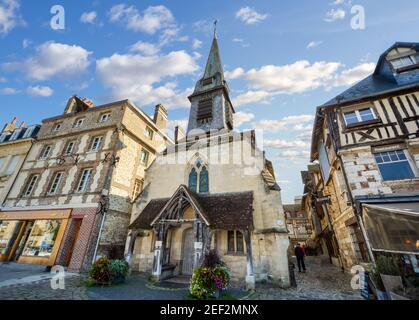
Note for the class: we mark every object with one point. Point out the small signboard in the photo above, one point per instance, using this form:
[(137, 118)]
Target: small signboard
[(198, 245)]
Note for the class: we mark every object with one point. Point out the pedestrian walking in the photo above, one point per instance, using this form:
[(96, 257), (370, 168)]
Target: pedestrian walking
[(299, 254)]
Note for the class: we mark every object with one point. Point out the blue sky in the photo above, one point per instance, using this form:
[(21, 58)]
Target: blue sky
[(282, 59)]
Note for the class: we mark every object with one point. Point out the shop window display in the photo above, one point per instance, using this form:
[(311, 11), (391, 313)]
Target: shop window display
[(7, 231), (42, 238)]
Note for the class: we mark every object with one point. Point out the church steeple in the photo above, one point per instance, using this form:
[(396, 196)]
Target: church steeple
[(211, 107)]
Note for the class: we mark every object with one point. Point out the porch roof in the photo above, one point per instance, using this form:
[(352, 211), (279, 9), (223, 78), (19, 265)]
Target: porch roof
[(228, 211)]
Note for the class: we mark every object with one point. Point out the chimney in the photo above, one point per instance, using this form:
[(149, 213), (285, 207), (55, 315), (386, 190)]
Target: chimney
[(160, 117), (22, 125), (9, 127), (88, 102), (179, 134)]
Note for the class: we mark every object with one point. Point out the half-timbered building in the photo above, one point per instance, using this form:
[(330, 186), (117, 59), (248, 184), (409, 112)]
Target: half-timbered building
[(214, 189), (366, 141)]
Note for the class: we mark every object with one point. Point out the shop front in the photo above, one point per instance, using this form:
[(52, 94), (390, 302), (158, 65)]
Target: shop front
[(32, 236)]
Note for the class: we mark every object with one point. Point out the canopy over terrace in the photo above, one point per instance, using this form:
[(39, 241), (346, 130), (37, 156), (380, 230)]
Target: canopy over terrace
[(393, 227), (224, 211)]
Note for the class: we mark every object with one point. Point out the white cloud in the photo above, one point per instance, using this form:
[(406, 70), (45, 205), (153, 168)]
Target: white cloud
[(242, 117), (53, 60), (153, 18), (196, 44), (351, 76), (171, 124), (337, 2), (238, 40), (39, 91), (298, 77), (236, 73), (88, 17), (294, 78), (2, 79), (8, 91), (284, 144), (9, 16), (148, 49), (139, 77), (289, 123), (314, 44), (334, 15), (250, 16), (26, 43), (292, 154), (251, 97)]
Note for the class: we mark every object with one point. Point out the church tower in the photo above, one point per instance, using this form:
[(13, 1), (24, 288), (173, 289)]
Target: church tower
[(211, 107)]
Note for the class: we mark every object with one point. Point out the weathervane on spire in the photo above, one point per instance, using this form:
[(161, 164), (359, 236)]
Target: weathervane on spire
[(215, 27)]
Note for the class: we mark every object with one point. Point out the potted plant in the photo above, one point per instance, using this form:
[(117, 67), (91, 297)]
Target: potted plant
[(108, 272), (118, 270), (209, 280)]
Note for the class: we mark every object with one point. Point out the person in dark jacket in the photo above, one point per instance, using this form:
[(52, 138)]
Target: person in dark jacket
[(299, 254)]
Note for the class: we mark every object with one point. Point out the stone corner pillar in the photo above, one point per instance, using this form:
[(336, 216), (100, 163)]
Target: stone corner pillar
[(198, 247), (250, 276), (157, 261)]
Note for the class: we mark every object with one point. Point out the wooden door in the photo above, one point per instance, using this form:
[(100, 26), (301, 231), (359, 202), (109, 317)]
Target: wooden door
[(188, 252)]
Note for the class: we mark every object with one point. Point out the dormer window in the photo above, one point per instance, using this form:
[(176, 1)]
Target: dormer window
[(405, 61), (359, 116), (57, 127), (78, 123), (105, 117), (15, 134)]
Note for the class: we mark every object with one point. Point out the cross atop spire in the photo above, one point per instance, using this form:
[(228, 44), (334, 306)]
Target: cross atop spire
[(215, 28)]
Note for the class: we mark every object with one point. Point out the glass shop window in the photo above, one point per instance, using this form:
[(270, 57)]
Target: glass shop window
[(42, 238), (7, 232)]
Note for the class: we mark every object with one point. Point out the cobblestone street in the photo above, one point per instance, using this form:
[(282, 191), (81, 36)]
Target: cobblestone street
[(321, 282)]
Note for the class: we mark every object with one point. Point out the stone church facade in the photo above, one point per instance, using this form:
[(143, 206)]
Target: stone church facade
[(212, 189)]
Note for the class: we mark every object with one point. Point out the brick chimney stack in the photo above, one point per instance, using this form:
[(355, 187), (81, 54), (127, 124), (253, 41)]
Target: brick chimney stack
[(179, 134), (9, 127), (160, 116)]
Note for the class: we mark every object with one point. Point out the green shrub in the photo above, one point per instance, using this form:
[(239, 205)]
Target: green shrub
[(387, 265), (105, 271), (100, 272)]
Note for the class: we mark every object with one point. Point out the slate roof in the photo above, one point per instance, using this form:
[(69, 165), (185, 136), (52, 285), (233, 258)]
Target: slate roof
[(227, 211), (382, 81)]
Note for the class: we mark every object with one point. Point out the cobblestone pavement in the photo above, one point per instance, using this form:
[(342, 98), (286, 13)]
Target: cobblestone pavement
[(320, 282)]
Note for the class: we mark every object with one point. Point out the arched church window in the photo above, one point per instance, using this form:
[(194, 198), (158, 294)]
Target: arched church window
[(199, 178), (203, 180), (193, 180)]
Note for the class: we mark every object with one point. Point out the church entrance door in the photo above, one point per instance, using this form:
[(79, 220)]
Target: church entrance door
[(188, 252)]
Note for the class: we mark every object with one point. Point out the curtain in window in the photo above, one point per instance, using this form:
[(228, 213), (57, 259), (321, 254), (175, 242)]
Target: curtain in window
[(193, 180)]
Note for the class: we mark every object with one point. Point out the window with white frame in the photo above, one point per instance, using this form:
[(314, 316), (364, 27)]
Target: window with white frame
[(78, 123), (56, 183), (69, 148), (405, 61), (96, 143), (359, 116), (105, 117), (15, 134), (394, 165), (84, 180), (57, 127), (235, 242), (148, 133), (28, 132), (46, 152), (144, 156), (4, 136), (30, 185)]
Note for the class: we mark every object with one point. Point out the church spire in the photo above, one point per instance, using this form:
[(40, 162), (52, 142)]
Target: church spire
[(211, 107), (214, 64)]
